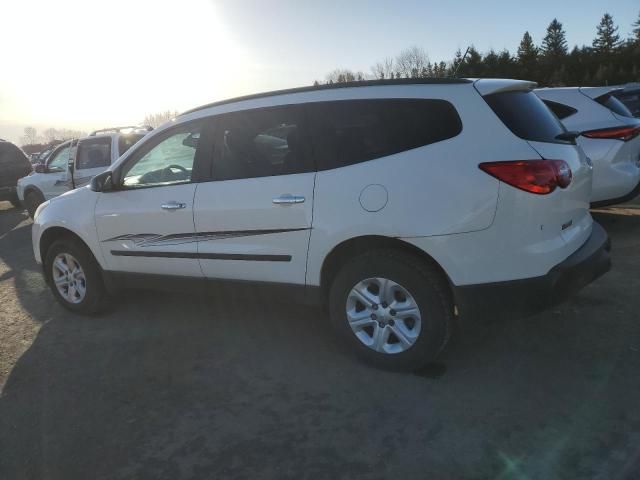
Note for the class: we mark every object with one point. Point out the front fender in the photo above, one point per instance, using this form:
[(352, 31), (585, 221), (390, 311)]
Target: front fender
[(72, 211)]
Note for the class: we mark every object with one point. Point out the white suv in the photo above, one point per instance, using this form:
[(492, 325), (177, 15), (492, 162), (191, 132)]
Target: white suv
[(609, 135), (73, 163), (392, 202)]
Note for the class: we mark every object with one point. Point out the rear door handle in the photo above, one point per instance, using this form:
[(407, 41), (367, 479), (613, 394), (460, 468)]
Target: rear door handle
[(288, 199), (173, 206)]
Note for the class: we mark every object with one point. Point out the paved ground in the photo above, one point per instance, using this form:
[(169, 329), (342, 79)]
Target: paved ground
[(172, 387)]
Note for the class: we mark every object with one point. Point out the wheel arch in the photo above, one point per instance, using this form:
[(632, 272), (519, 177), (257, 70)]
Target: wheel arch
[(361, 244), (32, 188), (53, 233)]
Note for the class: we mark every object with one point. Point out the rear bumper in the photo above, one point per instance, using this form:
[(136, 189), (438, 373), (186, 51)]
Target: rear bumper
[(525, 297), (614, 201)]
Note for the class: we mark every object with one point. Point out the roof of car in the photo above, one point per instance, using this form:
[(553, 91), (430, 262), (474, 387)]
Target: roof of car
[(333, 86)]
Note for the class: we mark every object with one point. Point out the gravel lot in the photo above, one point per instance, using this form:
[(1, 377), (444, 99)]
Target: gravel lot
[(172, 387)]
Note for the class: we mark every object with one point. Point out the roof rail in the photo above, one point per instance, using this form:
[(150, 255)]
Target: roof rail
[(148, 128), (332, 86)]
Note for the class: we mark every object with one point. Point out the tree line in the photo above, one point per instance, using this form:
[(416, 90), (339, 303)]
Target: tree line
[(609, 60), (33, 141)]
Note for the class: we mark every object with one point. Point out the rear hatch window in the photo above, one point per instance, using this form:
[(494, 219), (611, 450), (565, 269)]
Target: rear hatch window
[(613, 104), (526, 116), (631, 100)]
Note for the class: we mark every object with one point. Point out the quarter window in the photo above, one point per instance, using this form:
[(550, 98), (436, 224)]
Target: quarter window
[(353, 131), (524, 113), (94, 153), (260, 143), (561, 110), (168, 162)]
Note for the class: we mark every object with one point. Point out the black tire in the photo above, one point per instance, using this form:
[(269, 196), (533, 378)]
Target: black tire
[(15, 201), (424, 282), (32, 201), (96, 294)]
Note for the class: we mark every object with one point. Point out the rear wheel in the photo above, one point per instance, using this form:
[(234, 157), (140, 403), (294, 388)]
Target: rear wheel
[(394, 310), (32, 201), (74, 276)]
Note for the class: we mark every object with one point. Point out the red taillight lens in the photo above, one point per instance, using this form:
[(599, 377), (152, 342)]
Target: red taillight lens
[(535, 176), (618, 133)]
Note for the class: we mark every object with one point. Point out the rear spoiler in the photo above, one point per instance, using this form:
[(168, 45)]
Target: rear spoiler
[(595, 92), (488, 86)]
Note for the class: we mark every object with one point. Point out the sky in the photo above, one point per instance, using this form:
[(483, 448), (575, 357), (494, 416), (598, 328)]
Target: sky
[(85, 64)]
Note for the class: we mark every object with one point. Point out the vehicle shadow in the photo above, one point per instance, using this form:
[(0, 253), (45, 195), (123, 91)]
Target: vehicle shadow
[(18, 266), (224, 385)]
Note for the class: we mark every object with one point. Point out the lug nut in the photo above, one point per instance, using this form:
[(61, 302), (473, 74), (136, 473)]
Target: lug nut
[(384, 305), (375, 306), (392, 312), (373, 316), (391, 323)]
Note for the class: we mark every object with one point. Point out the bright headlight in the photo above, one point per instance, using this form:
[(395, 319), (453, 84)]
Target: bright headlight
[(40, 208)]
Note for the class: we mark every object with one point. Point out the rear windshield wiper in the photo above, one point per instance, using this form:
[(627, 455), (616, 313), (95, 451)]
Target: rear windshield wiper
[(568, 136)]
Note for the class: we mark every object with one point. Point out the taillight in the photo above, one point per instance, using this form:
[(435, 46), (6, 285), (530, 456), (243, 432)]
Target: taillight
[(617, 133), (535, 176)]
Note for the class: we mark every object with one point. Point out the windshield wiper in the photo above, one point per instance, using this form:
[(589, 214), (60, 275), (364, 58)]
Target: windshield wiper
[(568, 136)]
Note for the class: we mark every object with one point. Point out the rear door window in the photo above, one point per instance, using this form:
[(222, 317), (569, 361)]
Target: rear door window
[(261, 143), (353, 131), (613, 104), (94, 153), (526, 116)]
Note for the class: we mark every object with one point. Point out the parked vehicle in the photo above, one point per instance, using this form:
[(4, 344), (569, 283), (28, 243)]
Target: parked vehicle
[(73, 163), (629, 95), (370, 198), (609, 136), (13, 165)]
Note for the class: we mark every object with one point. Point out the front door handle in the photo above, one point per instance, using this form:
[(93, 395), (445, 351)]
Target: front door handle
[(288, 199), (173, 206)]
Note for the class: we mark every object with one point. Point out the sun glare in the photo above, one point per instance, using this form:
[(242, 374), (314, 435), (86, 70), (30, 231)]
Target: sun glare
[(106, 66)]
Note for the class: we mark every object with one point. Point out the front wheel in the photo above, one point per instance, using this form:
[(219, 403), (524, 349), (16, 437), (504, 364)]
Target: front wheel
[(74, 276), (15, 201), (32, 201), (394, 310)]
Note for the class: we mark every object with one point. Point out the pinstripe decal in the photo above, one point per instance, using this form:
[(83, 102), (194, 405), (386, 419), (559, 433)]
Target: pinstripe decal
[(153, 240)]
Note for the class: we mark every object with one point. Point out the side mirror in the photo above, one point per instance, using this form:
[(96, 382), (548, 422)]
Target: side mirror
[(191, 140), (40, 168), (102, 182)]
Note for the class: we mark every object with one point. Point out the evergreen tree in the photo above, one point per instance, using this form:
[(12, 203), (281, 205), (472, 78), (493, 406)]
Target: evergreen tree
[(490, 64), (505, 64), (554, 44), (527, 51), (456, 61), (607, 38), (636, 29), (473, 64)]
